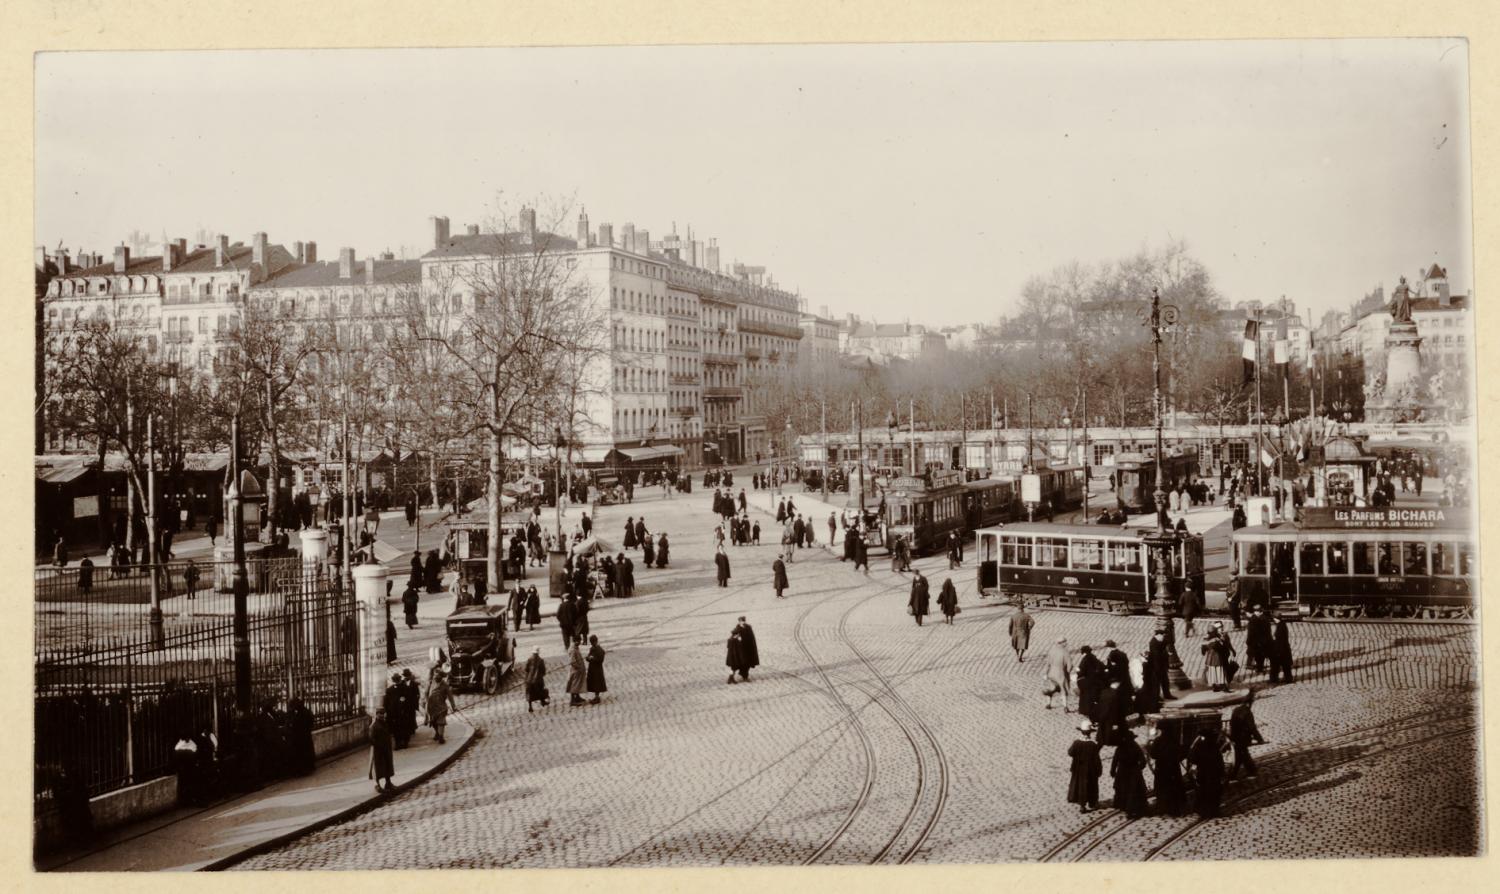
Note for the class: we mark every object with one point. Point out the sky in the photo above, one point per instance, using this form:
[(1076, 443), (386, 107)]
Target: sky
[(920, 182)]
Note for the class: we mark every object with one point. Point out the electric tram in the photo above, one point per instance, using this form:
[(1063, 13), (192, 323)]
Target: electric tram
[(1345, 562), (1135, 478), (925, 510), (1084, 566), (990, 501)]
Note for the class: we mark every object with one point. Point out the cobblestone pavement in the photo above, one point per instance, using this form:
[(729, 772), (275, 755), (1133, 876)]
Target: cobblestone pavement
[(864, 738)]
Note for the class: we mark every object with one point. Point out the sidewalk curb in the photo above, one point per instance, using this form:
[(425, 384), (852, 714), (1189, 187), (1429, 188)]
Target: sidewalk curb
[(344, 815)]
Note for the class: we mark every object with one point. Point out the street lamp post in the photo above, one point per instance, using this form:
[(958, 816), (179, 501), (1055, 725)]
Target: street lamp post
[(1161, 542), (158, 631), (890, 437), (561, 444), (241, 578)]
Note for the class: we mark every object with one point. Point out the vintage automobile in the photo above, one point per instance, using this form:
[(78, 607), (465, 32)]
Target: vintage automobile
[(479, 649)]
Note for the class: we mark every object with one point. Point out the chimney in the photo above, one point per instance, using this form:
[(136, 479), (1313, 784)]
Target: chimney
[(122, 258), (1443, 297), (583, 228), (311, 252), (712, 262), (167, 260), (297, 251), (607, 235), (823, 311), (63, 264), (643, 242), (346, 263), (439, 232), (221, 251), (387, 256), (697, 253), (528, 224), (472, 229), (627, 237), (258, 251), (369, 271)]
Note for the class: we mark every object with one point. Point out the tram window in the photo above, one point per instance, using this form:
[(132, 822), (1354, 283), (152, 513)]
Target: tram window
[(1043, 552), (1023, 550), (1059, 552), (1465, 559), (1125, 557), (1087, 555), (1254, 558), (1338, 558), (1007, 550), (1388, 558), (1364, 558), (1415, 553), (1310, 555), (1442, 558), (986, 549)]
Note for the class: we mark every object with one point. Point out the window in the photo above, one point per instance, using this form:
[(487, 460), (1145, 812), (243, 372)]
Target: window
[(1442, 558), (1124, 557), (1415, 554), (1310, 555), (203, 324), (1338, 558), (1388, 558), (1364, 558), (1253, 558), (1466, 559), (1087, 555)]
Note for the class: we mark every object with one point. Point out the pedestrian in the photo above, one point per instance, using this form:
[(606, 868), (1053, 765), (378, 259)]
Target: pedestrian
[(721, 564), (581, 615), (630, 533), (567, 615), (533, 608), (661, 552), (849, 538), (778, 576), (390, 638), (641, 534), (1217, 652), (1090, 672), (393, 701), (516, 607), (595, 660), (1056, 674), (433, 572), (302, 758), (439, 700), (85, 575), (917, 603), (1188, 607), (1020, 631), (781, 512), (1127, 768), (1147, 696), (535, 674), (1158, 665), (1242, 734), (1258, 643), (211, 527), (1238, 519), (861, 554), (409, 602), (1083, 778), (411, 512), (1232, 598), (382, 758), (948, 600), (1166, 772), (1111, 712), (577, 673), (648, 551), (1208, 771), (955, 550), (60, 553), (1117, 669), (833, 530), (1281, 652), (741, 653)]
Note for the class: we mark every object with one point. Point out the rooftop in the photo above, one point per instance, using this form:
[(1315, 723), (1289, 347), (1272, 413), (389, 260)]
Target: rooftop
[(464, 245), (326, 273)]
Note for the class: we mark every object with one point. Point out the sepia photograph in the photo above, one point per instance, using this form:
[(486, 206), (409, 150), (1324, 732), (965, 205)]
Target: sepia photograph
[(822, 454)]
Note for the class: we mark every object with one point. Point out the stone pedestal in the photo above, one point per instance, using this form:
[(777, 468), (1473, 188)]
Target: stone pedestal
[(314, 553), (369, 608), (224, 566), (1403, 357)]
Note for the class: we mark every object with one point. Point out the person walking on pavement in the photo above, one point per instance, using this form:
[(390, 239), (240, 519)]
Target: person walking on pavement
[(1281, 653), (833, 531), (533, 608), (567, 615), (1242, 734), (778, 576), (1216, 651), (1208, 772), (535, 674), (918, 603), (955, 550), (382, 757), (1189, 610), (630, 533), (409, 602), (1111, 713), (861, 554), (516, 607), (1020, 631), (849, 538), (1091, 677), (1127, 768), (577, 673), (1166, 772), (1258, 640), (439, 700), (721, 564), (1158, 665), (948, 600), (641, 534), (741, 652), (1083, 777), (1057, 681), (586, 523), (595, 680), (661, 550), (1232, 599)]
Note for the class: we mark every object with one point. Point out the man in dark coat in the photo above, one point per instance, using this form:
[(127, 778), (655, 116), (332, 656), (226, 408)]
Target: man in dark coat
[(648, 550), (1242, 734), (630, 533), (640, 530), (1114, 704), (833, 530), (1130, 782), (1258, 640), (535, 675), (781, 512), (721, 563), (861, 554), (595, 678), (382, 759), (743, 504), (1083, 778), (918, 603), (955, 550), (799, 531), (849, 547), (586, 523), (661, 550), (1281, 652), (742, 652), (410, 599), (778, 576), (411, 512), (567, 613), (1157, 666), (517, 607), (1117, 667), (533, 608), (1232, 598), (1208, 771), (1091, 676), (393, 705), (433, 572), (1020, 631), (1166, 773), (301, 756)]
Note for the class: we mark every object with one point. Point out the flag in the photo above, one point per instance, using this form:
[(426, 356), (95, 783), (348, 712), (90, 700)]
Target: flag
[(1281, 346), (1252, 333)]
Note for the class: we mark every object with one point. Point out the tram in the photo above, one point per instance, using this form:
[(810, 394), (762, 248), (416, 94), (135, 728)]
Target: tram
[(1344, 562), (989, 501), (1062, 487), (1135, 478), (1084, 566), (924, 513)]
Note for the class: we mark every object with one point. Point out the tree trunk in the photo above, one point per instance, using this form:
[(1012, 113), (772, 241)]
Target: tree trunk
[(106, 518), (432, 480), (494, 579), (273, 486)]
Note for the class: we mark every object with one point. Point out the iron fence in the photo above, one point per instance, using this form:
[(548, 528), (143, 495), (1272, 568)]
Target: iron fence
[(112, 699)]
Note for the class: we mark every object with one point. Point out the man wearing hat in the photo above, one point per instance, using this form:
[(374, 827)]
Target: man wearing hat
[(778, 575), (1020, 631), (1083, 781), (1127, 770), (535, 673), (1057, 673), (1258, 639)]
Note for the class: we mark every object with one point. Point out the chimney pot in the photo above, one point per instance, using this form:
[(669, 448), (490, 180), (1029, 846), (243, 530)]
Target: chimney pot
[(439, 232), (122, 258), (346, 263), (258, 250), (311, 252), (472, 229), (369, 271), (297, 251), (528, 223), (607, 235)]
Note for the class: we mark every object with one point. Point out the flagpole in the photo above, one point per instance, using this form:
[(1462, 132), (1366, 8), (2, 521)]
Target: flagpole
[(1260, 415)]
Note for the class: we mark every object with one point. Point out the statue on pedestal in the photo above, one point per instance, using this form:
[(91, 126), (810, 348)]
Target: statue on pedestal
[(1401, 303)]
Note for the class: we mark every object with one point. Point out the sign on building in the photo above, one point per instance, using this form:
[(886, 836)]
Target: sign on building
[(86, 507), (1356, 518), (1031, 488)]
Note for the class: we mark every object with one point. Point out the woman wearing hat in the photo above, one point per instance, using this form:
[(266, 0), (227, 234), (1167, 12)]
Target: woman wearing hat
[(1083, 783), (1126, 769), (1217, 650), (577, 673), (535, 673), (439, 700)]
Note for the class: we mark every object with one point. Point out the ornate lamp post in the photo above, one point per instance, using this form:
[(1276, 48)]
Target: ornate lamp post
[(890, 437), (1162, 542), (561, 444)]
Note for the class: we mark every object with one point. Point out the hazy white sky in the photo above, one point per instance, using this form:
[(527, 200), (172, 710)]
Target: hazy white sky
[(923, 181)]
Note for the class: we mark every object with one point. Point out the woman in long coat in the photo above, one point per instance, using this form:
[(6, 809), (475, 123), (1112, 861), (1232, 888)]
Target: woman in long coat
[(533, 608), (948, 600), (433, 572), (303, 758), (1166, 772), (742, 652), (661, 550), (577, 674), (648, 550), (1083, 779), (595, 660), (721, 563), (1208, 772), (630, 533), (439, 700), (1090, 681), (1216, 651), (919, 597), (1127, 769), (382, 757), (535, 673), (410, 599)]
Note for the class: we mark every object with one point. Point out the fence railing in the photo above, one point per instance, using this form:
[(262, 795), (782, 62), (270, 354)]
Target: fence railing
[(111, 701)]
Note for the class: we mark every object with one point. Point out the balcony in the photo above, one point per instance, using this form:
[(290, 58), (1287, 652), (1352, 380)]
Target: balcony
[(762, 327), (682, 379), (721, 359), (177, 338), (752, 354), (721, 392), (685, 411)]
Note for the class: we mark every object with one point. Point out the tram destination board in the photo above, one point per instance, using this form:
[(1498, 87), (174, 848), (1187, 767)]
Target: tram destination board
[(1360, 519)]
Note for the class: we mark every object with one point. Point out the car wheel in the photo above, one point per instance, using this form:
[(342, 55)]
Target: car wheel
[(491, 680)]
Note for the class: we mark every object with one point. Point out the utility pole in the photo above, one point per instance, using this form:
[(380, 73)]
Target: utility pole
[(823, 424), (1085, 453), (158, 633), (963, 439), (859, 411), (241, 579), (1028, 465), (911, 435), (1260, 416)]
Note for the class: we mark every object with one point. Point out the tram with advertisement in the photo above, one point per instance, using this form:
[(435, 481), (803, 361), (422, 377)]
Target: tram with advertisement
[(1348, 562), (1136, 473), (990, 501), (924, 510), (1085, 566)]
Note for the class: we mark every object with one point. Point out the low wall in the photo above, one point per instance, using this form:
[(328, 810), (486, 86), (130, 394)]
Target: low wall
[(340, 737)]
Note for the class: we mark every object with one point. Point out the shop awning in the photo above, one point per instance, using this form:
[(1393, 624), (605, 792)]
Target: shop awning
[(638, 454), (591, 454), (61, 472)]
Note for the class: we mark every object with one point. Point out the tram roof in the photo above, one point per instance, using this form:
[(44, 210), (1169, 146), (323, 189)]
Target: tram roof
[(1290, 529), (1049, 529)]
